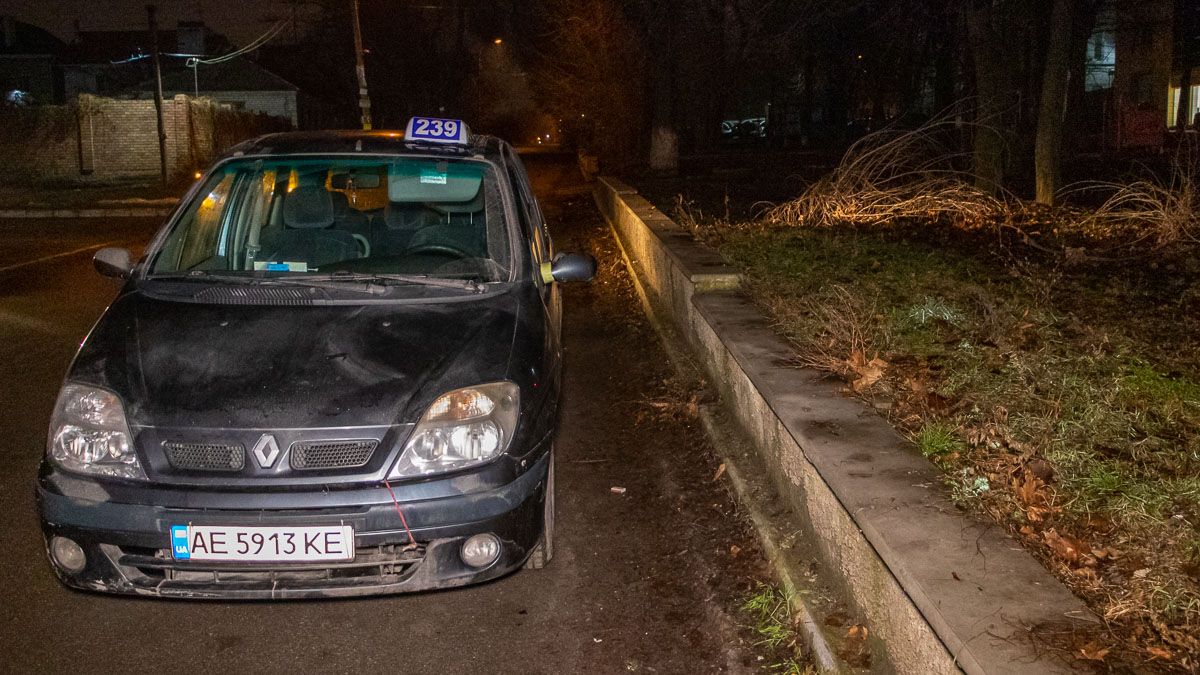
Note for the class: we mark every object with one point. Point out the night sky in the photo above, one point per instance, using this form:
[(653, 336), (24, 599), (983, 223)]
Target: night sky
[(240, 20)]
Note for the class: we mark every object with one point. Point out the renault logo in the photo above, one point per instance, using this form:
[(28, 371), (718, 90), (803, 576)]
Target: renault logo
[(266, 451)]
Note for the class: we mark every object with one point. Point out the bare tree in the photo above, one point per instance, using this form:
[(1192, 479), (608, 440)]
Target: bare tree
[(1052, 112)]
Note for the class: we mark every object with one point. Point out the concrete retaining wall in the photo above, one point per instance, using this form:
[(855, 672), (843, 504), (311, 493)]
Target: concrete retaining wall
[(102, 139), (941, 591)]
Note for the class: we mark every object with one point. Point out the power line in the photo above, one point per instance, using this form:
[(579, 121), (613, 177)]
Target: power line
[(194, 59), (258, 42)]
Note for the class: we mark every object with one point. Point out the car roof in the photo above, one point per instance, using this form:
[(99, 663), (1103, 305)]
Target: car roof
[(351, 141)]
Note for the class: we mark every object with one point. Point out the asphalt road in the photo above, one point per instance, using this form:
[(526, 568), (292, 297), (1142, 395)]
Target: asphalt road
[(645, 581)]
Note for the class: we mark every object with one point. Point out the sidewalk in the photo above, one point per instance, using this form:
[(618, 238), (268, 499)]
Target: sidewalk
[(90, 201)]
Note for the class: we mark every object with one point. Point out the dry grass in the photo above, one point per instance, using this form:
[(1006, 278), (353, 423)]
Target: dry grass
[(1056, 382), (1054, 411), (1144, 210), (848, 330), (895, 175)]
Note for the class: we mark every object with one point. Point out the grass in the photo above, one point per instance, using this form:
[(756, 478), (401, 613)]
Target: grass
[(1060, 399), (768, 610), (937, 440)]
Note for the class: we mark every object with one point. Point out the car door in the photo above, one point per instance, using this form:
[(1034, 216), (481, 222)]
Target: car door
[(541, 251)]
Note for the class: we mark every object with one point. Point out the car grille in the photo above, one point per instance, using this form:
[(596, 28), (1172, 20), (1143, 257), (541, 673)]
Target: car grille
[(382, 563), (255, 295), (332, 454), (205, 456)]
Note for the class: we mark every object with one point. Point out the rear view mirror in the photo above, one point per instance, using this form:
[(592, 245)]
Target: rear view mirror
[(113, 262), (573, 267), (355, 181)]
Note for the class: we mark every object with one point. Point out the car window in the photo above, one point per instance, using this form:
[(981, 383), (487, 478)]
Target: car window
[(199, 242), (408, 215), (531, 215)]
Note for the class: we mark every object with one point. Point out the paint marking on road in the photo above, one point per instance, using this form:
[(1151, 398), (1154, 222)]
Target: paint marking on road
[(64, 254), (27, 322)]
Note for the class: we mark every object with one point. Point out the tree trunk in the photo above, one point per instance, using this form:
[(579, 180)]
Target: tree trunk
[(1187, 24), (944, 65), (1183, 115), (1052, 112), (990, 89), (1076, 130), (664, 138)]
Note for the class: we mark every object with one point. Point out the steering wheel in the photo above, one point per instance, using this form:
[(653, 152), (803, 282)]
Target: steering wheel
[(438, 249), (363, 245)]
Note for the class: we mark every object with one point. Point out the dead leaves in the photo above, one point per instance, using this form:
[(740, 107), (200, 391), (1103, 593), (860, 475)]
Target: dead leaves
[(866, 373), (1158, 653), (1093, 652), (720, 472), (1064, 547), (1034, 496), (853, 649), (668, 410)]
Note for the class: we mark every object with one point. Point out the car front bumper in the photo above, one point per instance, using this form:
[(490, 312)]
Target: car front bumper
[(127, 545)]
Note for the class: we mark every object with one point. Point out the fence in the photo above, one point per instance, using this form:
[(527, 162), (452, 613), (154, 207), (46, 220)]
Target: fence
[(96, 139)]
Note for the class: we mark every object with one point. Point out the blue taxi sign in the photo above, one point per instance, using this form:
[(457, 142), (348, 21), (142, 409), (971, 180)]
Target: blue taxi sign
[(436, 130)]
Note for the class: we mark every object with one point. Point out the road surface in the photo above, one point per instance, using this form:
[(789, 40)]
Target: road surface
[(645, 581)]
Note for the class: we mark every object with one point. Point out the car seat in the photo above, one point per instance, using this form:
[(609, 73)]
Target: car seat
[(307, 234)]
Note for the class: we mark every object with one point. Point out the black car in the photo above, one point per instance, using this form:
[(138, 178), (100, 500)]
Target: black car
[(335, 371)]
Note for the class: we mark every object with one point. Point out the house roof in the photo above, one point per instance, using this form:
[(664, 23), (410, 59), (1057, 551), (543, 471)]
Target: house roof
[(109, 46), (18, 37), (237, 74)]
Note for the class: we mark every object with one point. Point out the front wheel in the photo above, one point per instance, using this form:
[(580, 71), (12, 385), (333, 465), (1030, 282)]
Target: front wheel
[(544, 551)]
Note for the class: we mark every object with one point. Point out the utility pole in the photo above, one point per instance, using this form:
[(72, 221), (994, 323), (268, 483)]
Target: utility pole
[(364, 101), (158, 96)]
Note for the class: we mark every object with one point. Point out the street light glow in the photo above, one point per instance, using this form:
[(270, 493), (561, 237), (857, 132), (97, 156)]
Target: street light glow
[(498, 41)]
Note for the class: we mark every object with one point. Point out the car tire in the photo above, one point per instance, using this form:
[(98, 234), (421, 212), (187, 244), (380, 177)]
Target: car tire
[(544, 550)]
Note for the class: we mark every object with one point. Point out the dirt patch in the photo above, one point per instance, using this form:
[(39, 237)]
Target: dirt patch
[(1063, 402), (658, 467)]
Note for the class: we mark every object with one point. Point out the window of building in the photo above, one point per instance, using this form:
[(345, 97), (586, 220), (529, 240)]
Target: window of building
[(1173, 105), (1101, 62)]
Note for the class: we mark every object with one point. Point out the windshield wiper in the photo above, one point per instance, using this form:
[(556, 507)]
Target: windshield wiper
[(202, 275), (205, 276), (358, 282), (346, 277)]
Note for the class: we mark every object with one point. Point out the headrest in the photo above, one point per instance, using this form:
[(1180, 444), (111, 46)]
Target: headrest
[(308, 207), (340, 201), (447, 208)]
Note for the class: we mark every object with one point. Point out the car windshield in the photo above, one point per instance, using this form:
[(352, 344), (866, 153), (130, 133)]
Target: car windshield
[(307, 216)]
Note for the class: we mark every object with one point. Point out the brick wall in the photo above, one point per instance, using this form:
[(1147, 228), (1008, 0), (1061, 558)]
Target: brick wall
[(99, 140)]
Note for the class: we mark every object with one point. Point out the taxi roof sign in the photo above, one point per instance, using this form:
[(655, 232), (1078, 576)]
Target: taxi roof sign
[(437, 130)]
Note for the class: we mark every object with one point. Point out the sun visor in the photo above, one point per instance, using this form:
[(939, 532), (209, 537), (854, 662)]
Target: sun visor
[(444, 182)]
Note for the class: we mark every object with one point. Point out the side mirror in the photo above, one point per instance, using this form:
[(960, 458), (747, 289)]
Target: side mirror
[(113, 262), (573, 267)]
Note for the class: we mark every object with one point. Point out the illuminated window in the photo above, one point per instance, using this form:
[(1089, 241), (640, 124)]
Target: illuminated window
[(1101, 62), (1173, 105)]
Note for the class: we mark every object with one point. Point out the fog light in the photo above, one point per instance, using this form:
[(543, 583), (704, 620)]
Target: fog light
[(481, 550), (67, 554)]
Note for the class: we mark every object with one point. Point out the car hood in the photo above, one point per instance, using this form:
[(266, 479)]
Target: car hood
[(183, 364)]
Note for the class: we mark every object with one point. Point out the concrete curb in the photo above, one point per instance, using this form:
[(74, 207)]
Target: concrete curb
[(132, 212), (749, 497), (940, 590), (769, 537)]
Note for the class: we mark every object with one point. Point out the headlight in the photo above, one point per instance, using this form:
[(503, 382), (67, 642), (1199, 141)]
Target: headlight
[(462, 428), (88, 434)]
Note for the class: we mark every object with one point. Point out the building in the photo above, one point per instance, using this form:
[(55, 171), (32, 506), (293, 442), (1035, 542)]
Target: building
[(1142, 57), (238, 82), (29, 58)]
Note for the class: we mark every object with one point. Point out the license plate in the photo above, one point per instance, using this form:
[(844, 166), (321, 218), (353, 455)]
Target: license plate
[(262, 544)]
